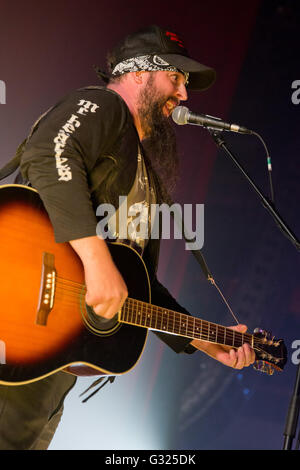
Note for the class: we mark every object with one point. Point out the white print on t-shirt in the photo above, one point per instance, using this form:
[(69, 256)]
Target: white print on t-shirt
[(63, 169)]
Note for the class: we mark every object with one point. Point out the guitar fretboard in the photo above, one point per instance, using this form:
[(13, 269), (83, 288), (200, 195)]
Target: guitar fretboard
[(138, 313)]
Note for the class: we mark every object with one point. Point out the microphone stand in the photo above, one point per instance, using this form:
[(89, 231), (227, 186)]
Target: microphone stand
[(218, 138), (294, 406)]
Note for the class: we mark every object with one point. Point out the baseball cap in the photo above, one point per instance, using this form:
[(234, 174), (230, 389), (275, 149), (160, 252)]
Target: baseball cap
[(166, 45)]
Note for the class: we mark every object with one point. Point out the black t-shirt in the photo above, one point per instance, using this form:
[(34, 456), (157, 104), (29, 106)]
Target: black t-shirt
[(83, 152), (87, 133)]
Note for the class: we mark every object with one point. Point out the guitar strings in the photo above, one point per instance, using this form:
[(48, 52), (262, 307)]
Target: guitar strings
[(205, 331), (80, 288), (73, 290)]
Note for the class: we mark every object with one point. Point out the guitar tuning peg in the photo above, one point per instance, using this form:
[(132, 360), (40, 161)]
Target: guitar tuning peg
[(259, 330), (264, 333), (263, 366)]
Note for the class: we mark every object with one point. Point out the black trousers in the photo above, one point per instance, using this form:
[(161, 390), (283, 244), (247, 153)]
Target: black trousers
[(30, 414)]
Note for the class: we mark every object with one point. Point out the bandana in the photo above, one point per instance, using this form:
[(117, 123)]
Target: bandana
[(145, 63)]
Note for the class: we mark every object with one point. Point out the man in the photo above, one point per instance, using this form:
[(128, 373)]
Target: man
[(93, 146)]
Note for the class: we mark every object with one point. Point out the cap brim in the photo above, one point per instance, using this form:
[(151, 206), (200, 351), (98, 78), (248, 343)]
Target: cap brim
[(201, 77)]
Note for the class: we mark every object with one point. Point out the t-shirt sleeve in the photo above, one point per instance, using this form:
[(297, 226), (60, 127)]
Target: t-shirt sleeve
[(69, 140)]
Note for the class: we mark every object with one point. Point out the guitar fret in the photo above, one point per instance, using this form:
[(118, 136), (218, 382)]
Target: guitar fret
[(173, 322), (164, 327), (230, 336), (147, 317), (233, 338), (212, 333), (134, 312), (180, 326), (150, 317), (221, 335), (188, 327), (125, 311), (143, 314), (197, 330), (154, 326), (129, 315), (204, 330), (140, 313)]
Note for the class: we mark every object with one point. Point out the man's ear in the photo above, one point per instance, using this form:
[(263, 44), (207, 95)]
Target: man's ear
[(138, 77)]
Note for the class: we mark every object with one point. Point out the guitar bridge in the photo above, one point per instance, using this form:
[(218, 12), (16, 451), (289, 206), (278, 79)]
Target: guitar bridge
[(47, 289)]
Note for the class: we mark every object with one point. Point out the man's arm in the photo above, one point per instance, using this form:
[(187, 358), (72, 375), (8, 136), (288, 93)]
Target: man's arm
[(243, 357), (106, 289)]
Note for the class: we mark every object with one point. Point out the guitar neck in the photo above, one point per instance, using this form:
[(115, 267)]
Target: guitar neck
[(138, 313)]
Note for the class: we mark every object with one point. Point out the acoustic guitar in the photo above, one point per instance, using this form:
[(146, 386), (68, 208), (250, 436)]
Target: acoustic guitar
[(45, 324)]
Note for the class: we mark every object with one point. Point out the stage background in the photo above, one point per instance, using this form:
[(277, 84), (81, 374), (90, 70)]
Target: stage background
[(169, 401)]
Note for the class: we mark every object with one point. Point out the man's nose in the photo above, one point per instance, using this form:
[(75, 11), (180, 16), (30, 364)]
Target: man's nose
[(182, 92)]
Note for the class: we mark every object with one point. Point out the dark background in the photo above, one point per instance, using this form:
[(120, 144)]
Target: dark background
[(48, 49)]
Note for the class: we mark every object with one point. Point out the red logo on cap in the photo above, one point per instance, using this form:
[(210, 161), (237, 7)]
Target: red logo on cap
[(175, 38)]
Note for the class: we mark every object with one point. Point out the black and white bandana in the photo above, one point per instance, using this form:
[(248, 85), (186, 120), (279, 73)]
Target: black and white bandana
[(148, 63)]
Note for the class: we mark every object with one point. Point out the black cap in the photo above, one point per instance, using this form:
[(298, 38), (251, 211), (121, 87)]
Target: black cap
[(154, 40)]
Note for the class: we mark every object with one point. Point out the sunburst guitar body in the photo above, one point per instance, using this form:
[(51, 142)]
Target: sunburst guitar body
[(45, 324)]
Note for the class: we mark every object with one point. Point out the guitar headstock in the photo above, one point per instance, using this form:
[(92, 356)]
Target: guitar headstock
[(271, 353)]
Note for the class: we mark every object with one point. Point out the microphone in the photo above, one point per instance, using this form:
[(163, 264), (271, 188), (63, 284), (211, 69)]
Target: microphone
[(182, 115)]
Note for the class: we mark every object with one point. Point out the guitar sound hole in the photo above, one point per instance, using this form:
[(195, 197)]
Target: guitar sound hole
[(101, 323)]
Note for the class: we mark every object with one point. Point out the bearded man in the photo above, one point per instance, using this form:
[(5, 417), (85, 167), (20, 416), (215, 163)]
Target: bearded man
[(96, 144)]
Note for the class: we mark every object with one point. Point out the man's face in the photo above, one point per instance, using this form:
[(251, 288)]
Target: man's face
[(171, 85), (162, 92), (168, 88)]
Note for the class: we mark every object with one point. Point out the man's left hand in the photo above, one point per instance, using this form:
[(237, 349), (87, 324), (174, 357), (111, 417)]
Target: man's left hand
[(235, 358)]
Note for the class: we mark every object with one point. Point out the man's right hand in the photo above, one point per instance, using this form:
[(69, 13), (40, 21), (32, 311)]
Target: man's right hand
[(106, 289)]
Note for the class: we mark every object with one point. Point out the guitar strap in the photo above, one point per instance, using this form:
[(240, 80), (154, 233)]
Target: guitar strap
[(110, 379), (198, 255)]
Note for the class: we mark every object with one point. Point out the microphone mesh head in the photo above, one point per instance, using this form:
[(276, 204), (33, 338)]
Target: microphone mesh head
[(180, 115)]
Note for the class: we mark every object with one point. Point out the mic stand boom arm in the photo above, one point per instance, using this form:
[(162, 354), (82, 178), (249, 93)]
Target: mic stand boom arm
[(294, 406), (218, 138)]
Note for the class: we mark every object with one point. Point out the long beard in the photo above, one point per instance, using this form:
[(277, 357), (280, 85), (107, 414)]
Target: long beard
[(159, 143)]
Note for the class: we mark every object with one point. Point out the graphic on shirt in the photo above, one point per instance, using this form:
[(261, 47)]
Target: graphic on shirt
[(63, 169)]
